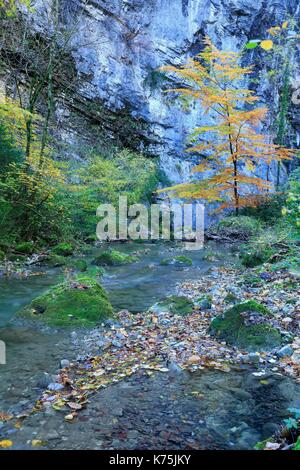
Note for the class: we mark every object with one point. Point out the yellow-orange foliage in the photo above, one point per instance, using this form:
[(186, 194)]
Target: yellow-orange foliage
[(232, 146)]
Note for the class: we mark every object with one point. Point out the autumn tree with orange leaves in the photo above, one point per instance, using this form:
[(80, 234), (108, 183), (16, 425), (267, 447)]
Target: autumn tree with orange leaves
[(231, 147)]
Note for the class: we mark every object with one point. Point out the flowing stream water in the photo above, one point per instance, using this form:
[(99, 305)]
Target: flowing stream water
[(237, 408)]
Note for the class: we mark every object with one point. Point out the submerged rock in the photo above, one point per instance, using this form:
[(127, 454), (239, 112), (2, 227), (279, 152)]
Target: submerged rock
[(114, 258), (82, 303), (245, 326), (178, 305), (177, 261)]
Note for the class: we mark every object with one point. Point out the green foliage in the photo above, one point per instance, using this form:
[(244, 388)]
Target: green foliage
[(26, 248), (291, 210), (103, 180), (269, 209), (63, 249), (297, 445), (241, 227), (256, 256), (30, 204)]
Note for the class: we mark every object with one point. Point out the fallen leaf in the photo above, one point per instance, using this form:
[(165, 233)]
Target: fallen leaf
[(74, 406), (6, 443)]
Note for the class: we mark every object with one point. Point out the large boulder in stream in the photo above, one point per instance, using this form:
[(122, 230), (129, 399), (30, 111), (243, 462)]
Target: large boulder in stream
[(178, 305), (79, 303), (245, 326), (114, 258)]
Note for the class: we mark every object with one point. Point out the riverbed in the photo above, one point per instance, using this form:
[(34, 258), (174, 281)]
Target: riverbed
[(209, 409)]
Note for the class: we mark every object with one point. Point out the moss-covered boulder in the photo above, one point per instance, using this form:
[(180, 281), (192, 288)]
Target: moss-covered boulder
[(63, 249), (245, 326), (177, 261), (55, 261), (80, 303), (178, 305), (114, 258), (79, 265)]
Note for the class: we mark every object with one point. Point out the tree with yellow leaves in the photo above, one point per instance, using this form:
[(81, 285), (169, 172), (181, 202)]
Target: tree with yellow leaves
[(231, 147)]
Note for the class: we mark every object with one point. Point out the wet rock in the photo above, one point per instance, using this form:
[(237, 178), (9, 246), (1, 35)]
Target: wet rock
[(64, 363), (44, 380), (285, 351), (55, 387)]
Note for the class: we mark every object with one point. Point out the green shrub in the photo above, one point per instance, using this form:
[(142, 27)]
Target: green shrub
[(240, 228), (268, 211), (25, 248)]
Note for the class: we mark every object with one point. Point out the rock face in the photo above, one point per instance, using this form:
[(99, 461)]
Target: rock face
[(119, 46)]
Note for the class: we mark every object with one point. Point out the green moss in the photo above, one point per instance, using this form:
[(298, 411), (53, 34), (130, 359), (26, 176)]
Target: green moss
[(230, 298), (114, 258), (241, 227), (177, 261), (232, 327), (205, 302), (256, 257), (178, 305), (252, 280), (63, 249), (81, 303), (79, 265), (2, 255), (26, 248), (55, 261)]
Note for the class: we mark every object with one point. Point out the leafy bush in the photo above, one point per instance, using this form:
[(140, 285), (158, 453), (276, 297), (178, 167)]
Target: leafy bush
[(269, 209), (103, 180), (242, 227), (291, 210)]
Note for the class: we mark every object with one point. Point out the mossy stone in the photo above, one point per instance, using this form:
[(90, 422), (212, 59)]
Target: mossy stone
[(80, 265), (177, 261), (63, 249), (232, 328), (55, 261), (114, 258), (205, 302), (81, 303), (178, 305), (230, 298)]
